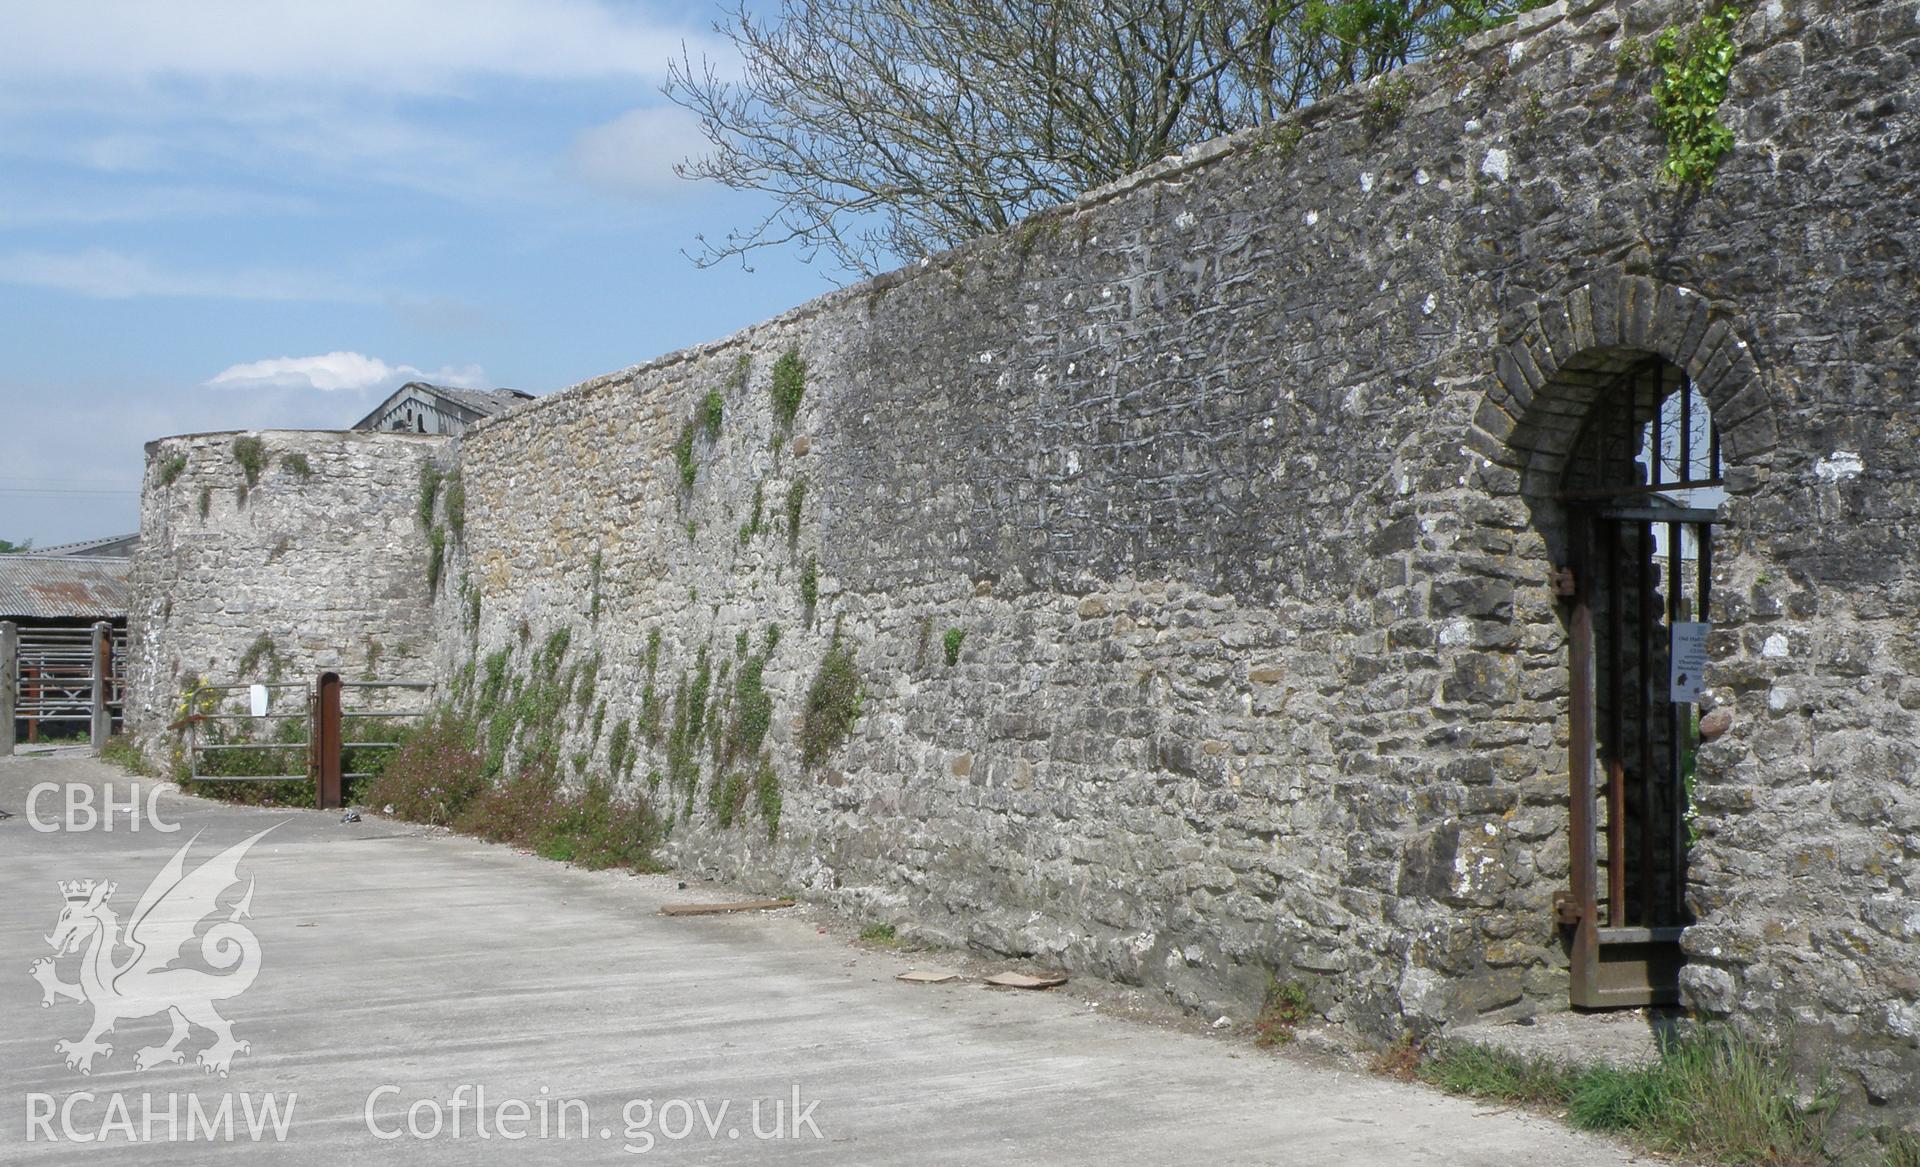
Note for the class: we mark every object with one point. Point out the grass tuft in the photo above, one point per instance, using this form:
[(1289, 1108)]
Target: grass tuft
[(1284, 1008), (1712, 1095)]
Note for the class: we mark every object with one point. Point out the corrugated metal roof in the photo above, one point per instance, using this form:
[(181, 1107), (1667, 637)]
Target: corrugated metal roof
[(38, 587)]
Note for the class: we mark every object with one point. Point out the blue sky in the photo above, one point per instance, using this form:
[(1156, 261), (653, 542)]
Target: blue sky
[(229, 214)]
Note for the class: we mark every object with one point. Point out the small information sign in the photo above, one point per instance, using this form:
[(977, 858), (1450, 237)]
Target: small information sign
[(1689, 657)]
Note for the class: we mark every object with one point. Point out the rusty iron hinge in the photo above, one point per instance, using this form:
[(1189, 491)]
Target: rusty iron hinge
[(1567, 911), (1562, 580)]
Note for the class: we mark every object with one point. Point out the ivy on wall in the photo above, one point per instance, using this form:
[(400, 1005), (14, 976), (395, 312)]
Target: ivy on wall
[(1695, 64)]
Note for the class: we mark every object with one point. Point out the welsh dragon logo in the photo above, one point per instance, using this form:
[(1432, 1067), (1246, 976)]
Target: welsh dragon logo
[(166, 920)]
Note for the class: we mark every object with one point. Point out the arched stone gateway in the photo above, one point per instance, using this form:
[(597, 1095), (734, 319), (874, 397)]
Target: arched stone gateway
[(1630, 410)]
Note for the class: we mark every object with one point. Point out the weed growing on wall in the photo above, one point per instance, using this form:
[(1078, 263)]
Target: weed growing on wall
[(172, 469), (206, 500), (1387, 103), (810, 584), (251, 453), (455, 505), (296, 464), (753, 525), (683, 457), (751, 710), (726, 797), (712, 411), (430, 479), (833, 705), (585, 687), (796, 495), (951, 642), (618, 745), (436, 557), (766, 792), (1695, 65), (789, 386), (688, 728)]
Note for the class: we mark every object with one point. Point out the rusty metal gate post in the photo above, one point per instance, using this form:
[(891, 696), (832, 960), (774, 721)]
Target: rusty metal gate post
[(325, 735), (102, 725), (9, 682)]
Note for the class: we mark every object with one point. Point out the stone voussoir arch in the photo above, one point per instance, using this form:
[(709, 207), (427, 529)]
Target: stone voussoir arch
[(1547, 376)]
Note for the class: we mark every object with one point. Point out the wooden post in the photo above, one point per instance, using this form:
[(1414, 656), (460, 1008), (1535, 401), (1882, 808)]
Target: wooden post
[(102, 727), (9, 680), (325, 735), (1583, 958)]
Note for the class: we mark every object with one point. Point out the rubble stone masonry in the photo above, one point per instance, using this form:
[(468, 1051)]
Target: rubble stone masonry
[(1233, 483)]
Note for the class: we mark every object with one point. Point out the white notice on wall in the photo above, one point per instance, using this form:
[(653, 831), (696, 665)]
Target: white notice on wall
[(257, 695), (1689, 659)]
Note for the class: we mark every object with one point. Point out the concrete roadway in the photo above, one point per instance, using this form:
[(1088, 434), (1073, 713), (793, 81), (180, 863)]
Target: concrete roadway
[(399, 965)]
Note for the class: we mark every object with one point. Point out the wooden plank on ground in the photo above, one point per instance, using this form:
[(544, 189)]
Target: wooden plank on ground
[(721, 909)]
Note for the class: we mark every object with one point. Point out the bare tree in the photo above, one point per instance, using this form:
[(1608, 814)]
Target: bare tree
[(888, 129)]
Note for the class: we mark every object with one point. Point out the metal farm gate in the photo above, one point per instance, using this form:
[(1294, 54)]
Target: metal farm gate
[(323, 710), (61, 682)]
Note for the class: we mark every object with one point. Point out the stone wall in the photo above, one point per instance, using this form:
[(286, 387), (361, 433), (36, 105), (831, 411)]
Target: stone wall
[(1235, 483), (320, 564)]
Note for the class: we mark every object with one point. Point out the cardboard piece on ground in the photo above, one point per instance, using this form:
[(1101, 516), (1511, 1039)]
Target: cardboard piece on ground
[(1015, 980), (928, 976), (718, 909)]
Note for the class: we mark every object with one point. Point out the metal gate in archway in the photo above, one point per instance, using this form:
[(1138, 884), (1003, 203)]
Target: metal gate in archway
[(1642, 491)]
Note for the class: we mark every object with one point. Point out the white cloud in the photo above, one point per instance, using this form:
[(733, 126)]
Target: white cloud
[(110, 275), (415, 46), (635, 153), (354, 372)]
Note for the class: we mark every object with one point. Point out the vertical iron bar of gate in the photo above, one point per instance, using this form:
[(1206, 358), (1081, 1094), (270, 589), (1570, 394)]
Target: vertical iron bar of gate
[(9, 680), (325, 732), (1616, 763), (1580, 838), (101, 727), (1676, 611)]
